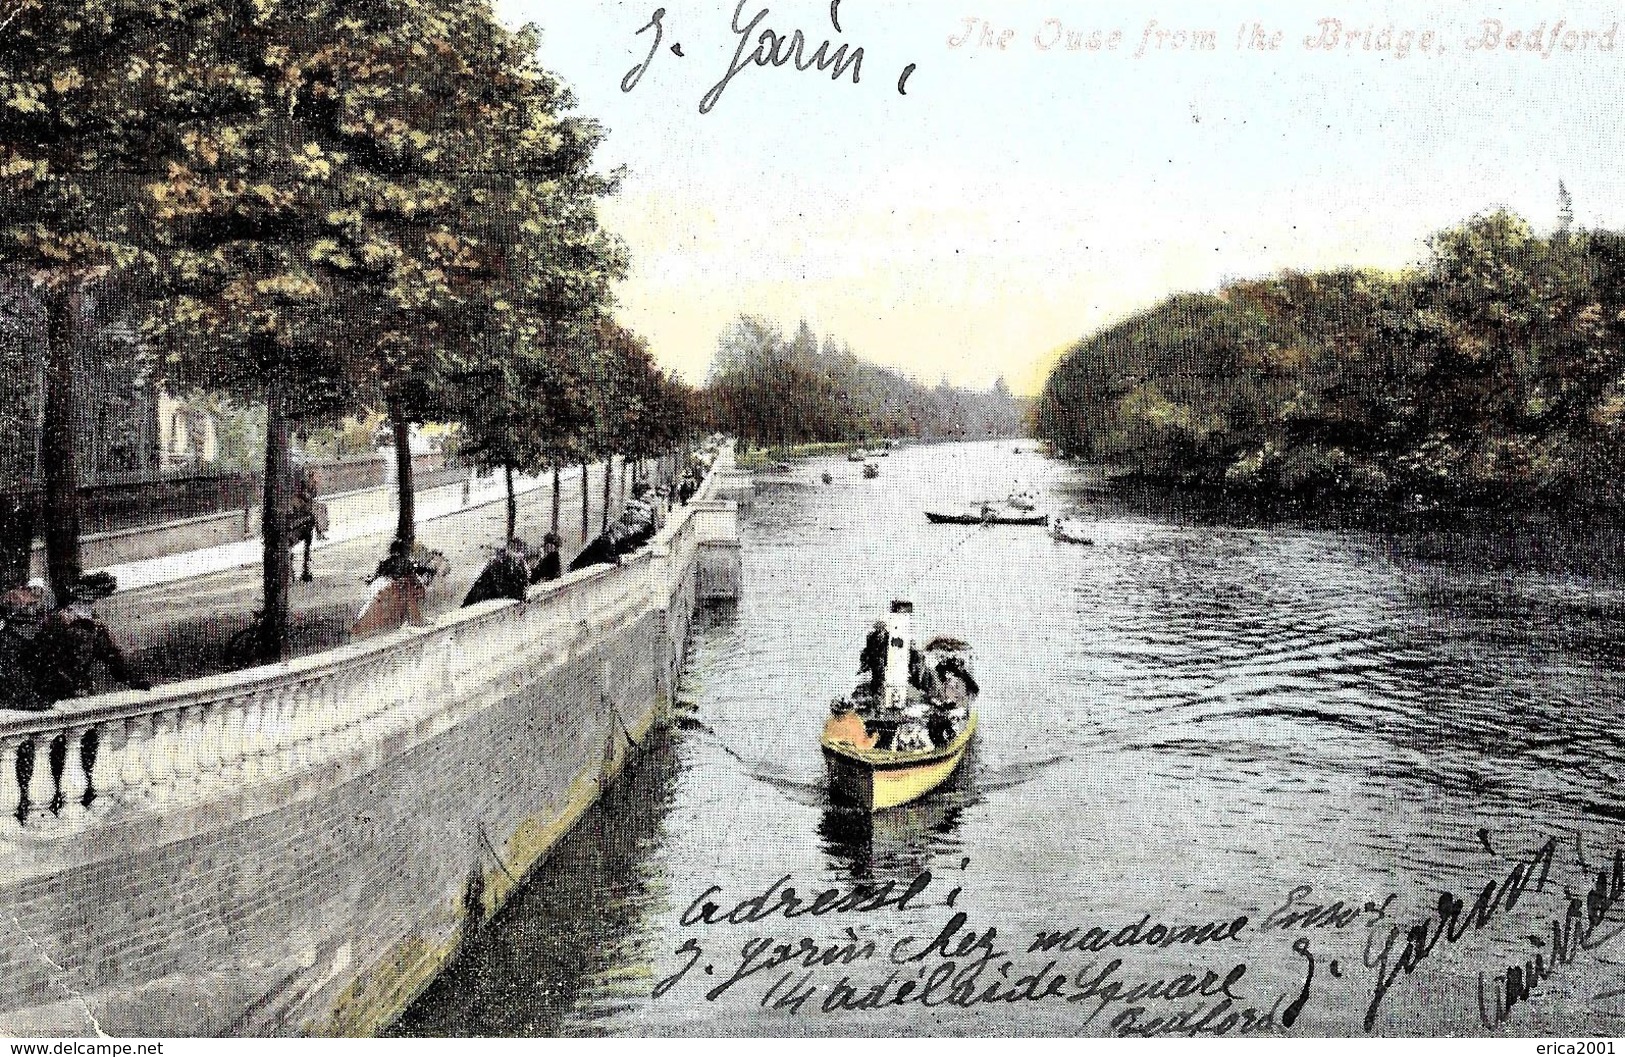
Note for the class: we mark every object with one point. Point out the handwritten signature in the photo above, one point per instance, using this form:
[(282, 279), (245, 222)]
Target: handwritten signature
[(771, 48)]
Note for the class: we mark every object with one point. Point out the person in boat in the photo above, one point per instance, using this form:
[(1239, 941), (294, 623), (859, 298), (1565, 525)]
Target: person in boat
[(506, 575), (954, 668), (911, 737), (550, 567), (844, 726), (942, 724), (873, 658), (70, 644), (920, 675)]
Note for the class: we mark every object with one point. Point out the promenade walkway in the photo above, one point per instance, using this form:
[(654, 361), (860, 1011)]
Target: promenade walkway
[(175, 614)]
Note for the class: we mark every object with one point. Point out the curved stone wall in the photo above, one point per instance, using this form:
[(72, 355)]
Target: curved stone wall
[(298, 848)]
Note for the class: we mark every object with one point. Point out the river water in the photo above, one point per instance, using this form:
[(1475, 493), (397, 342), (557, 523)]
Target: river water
[(1205, 715)]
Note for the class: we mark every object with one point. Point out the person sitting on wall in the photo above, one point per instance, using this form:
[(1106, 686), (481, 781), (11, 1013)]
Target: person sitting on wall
[(601, 551), (506, 575), (397, 596), (550, 567), (637, 528), (22, 612), (73, 640)]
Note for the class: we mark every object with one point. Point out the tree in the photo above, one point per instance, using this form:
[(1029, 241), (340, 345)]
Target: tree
[(545, 284), (89, 110)]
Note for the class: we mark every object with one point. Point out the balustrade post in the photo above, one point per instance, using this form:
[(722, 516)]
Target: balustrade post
[(203, 744), (257, 743), (86, 742), (56, 757), (20, 755), (163, 747)]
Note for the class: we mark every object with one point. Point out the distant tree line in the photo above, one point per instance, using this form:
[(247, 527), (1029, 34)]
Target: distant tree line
[(317, 208), (773, 391), (1492, 371)]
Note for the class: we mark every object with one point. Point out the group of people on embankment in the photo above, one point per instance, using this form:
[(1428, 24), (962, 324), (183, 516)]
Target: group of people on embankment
[(54, 649)]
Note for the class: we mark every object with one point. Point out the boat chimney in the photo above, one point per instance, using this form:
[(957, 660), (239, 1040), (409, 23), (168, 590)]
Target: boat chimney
[(899, 637)]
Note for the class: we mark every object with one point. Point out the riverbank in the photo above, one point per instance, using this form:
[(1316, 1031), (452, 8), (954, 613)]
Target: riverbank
[(761, 458), (298, 848)]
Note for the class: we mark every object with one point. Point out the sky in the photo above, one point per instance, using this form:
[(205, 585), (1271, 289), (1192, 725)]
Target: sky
[(1019, 197)]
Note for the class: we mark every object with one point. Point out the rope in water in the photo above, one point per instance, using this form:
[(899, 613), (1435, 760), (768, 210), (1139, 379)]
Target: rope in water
[(949, 553)]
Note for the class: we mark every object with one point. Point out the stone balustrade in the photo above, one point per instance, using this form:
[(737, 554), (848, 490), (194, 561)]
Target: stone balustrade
[(92, 765)]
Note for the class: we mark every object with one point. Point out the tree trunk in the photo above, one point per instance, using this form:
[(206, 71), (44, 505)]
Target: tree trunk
[(277, 502), (609, 483), (556, 491), (513, 504), (584, 505), (406, 528), (59, 449)]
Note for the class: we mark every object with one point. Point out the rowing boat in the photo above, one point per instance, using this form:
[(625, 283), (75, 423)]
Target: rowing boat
[(987, 516)]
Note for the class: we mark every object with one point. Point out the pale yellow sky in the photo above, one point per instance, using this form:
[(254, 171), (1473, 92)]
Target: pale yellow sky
[(1019, 197)]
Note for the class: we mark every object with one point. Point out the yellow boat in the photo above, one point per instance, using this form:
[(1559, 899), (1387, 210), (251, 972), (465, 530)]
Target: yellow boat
[(876, 779), (904, 732)]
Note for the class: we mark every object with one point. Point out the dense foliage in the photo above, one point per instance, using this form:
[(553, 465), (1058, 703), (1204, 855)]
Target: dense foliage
[(1494, 370), (325, 207), (773, 391)]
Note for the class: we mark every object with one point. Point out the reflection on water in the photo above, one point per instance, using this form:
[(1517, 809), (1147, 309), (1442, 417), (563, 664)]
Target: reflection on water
[(568, 949), (1208, 709)]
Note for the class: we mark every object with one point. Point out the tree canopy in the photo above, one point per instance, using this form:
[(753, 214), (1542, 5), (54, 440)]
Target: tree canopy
[(1493, 369), (770, 390)]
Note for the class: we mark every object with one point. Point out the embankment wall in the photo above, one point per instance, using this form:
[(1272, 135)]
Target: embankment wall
[(297, 849)]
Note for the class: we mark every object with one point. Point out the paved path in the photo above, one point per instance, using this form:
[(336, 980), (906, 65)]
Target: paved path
[(179, 611)]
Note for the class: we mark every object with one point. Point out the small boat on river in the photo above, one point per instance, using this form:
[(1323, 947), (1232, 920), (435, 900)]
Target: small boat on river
[(1071, 529), (857, 455), (905, 730), (987, 514), (1024, 501)]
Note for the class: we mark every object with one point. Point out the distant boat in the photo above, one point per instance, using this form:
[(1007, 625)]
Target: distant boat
[(871, 470), (987, 515), (1071, 530), (857, 455), (1024, 501)]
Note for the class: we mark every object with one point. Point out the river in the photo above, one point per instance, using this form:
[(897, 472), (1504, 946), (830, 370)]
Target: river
[(1191, 721)]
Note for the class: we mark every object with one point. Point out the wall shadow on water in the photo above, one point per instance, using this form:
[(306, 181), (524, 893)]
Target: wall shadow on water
[(564, 952)]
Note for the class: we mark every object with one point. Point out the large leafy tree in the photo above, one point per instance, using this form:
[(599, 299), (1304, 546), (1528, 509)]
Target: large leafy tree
[(547, 271), (242, 216), (89, 95)]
